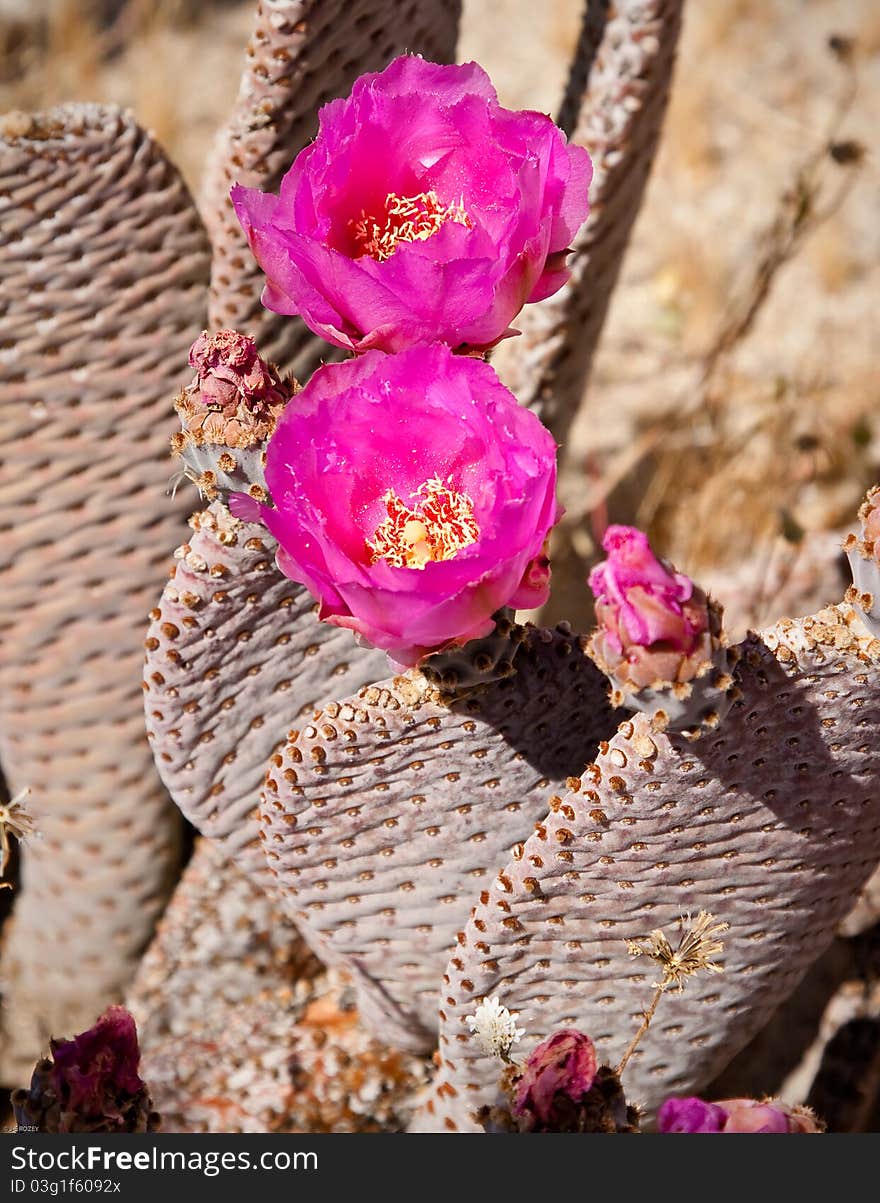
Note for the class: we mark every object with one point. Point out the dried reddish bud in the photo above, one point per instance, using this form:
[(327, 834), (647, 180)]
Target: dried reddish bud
[(90, 1083), (558, 1072), (231, 373)]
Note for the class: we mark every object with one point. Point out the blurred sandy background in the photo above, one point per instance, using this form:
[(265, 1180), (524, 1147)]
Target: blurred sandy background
[(783, 437)]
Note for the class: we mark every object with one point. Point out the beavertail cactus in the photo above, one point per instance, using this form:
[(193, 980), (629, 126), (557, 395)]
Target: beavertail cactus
[(90, 1083), (387, 863), (103, 274), (303, 53), (774, 805)]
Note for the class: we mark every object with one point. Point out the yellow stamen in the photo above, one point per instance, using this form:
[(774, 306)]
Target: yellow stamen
[(403, 219), (439, 524)]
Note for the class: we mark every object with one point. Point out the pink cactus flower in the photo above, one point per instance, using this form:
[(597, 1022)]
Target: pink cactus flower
[(412, 497), (654, 624), (96, 1073), (423, 211), (231, 373), (644, 599), (735, 1115), (557, 1073), (690, 1115)]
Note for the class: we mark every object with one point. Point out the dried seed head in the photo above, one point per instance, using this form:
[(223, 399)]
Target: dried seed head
[(15, 822), (697, 944)]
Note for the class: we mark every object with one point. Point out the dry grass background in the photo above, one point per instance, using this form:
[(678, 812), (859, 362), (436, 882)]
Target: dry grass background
[(783, 438)]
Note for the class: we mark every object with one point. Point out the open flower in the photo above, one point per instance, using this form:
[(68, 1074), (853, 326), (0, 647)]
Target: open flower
[(423, 211), (412, 495), (768, 1116), (654, 624)]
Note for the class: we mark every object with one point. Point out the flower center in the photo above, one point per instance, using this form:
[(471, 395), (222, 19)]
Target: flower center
[(403, 219), (439, 524)]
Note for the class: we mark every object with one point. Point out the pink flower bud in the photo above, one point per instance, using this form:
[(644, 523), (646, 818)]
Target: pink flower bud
[(735, 1116), (654, 624), (558, 1072), (658, 637), (642, 600)]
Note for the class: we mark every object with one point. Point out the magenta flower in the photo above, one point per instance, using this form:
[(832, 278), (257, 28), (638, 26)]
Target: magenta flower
[(412, 497), (645, 598), (735, 1116), (654, 624), (690, 1115), (423, 211), (559, 1072), (94, 1068)]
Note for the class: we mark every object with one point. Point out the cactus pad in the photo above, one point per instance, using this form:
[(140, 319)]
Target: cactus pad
[(103, 274), (241, 1031), (387, 815), (773, 818), (234, 653)]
